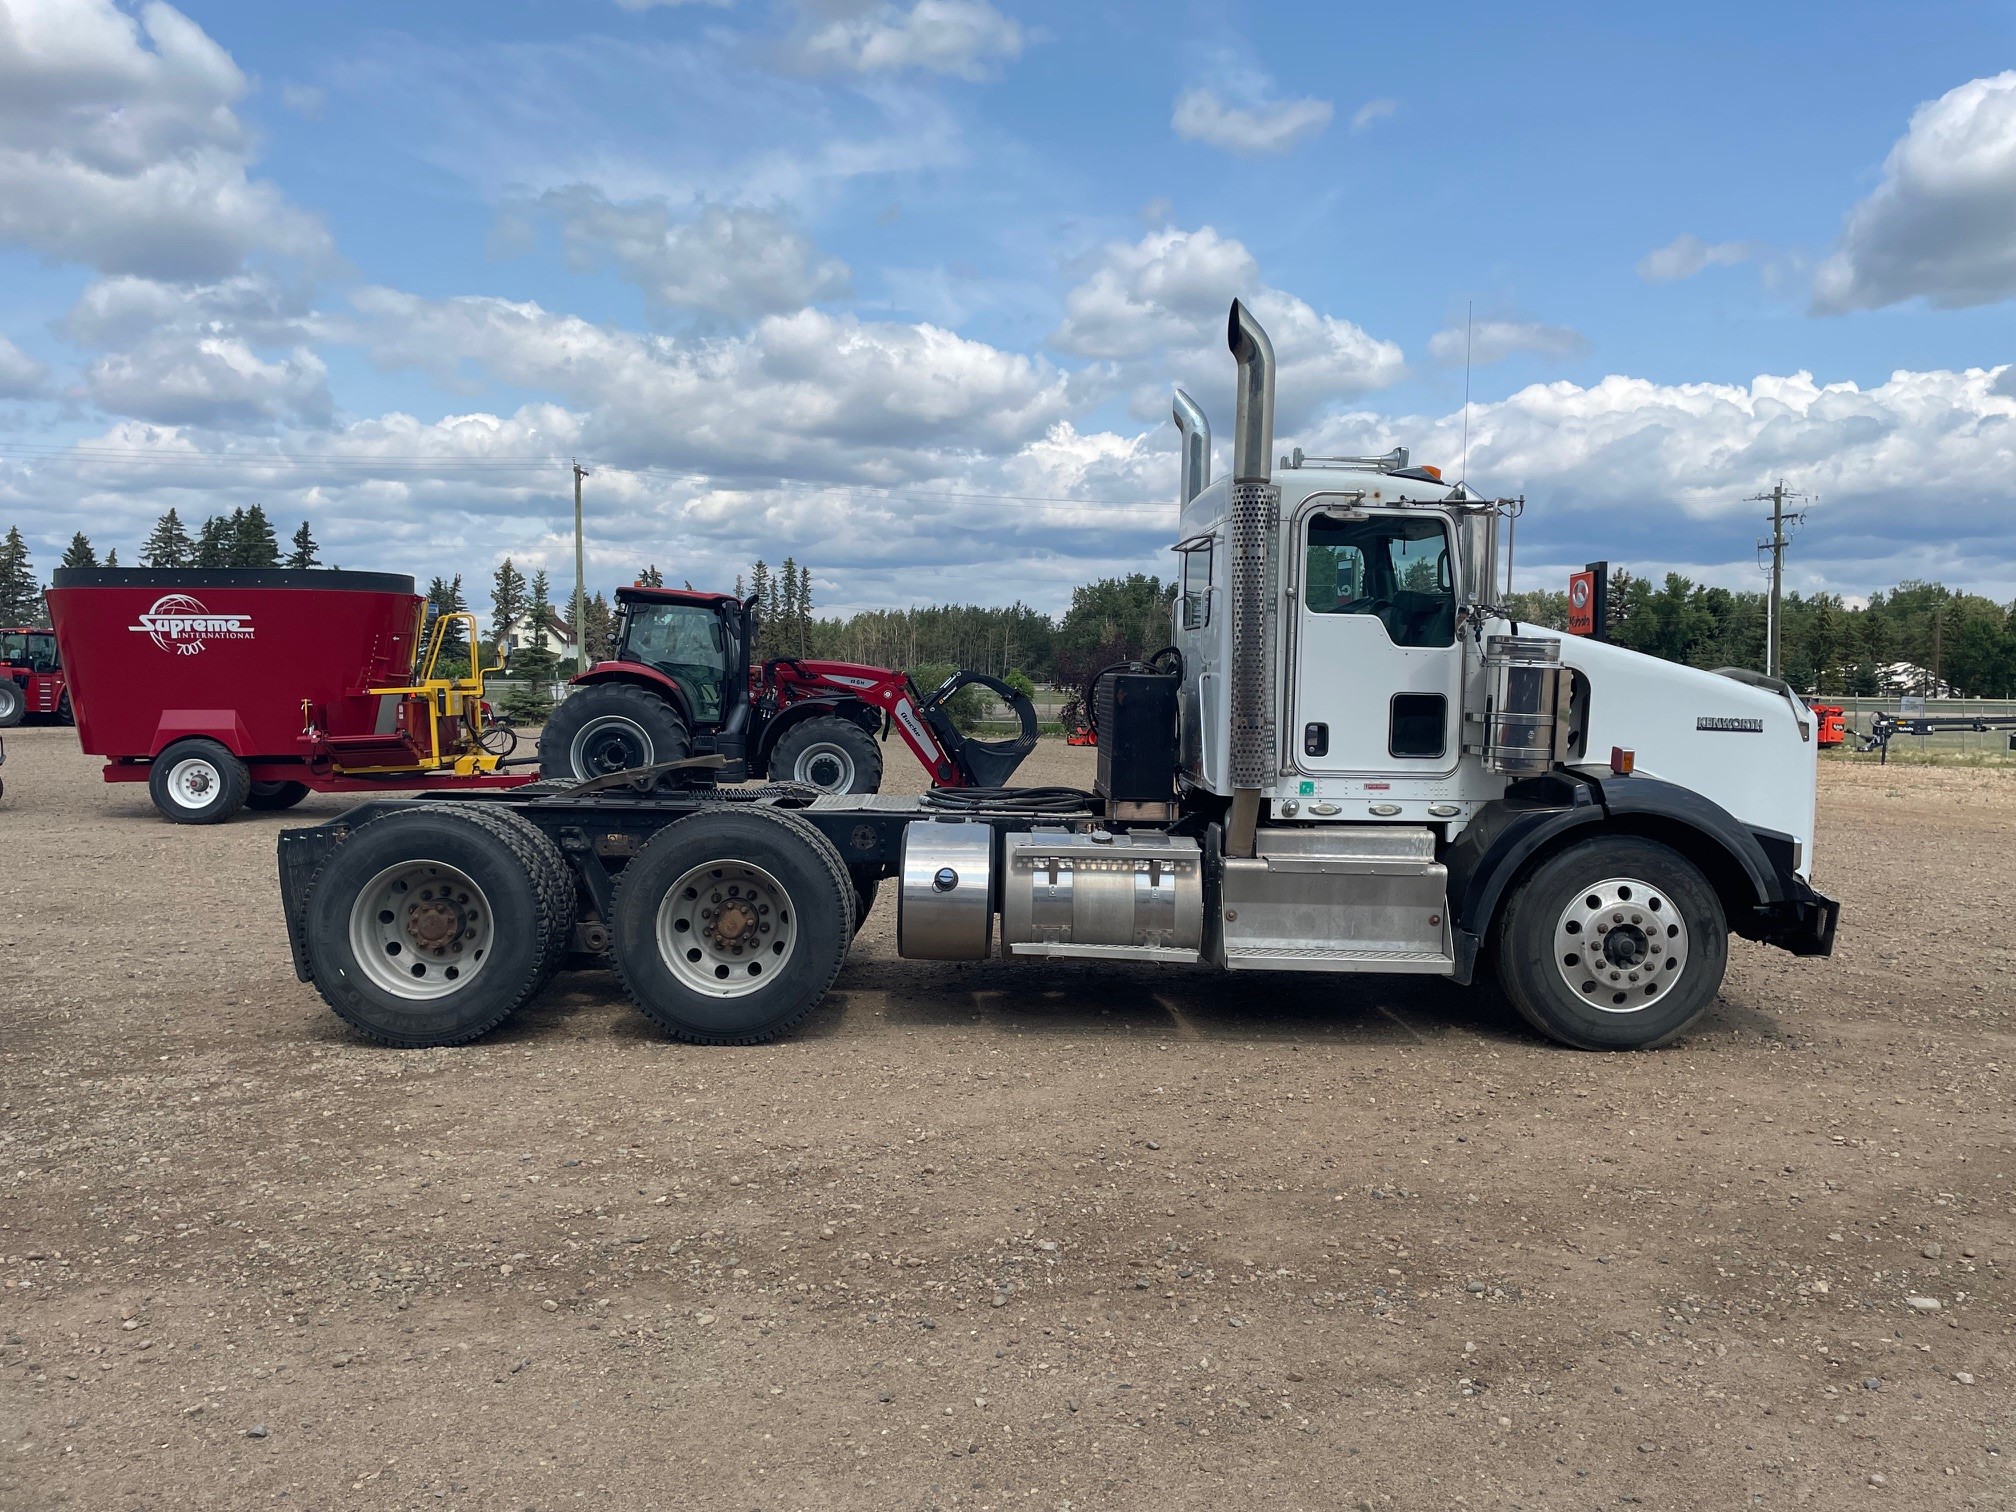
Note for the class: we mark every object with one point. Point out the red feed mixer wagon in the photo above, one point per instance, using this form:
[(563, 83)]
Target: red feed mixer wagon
[(252, 687)]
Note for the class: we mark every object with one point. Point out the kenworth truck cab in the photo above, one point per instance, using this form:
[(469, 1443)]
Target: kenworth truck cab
[(1351, 759)]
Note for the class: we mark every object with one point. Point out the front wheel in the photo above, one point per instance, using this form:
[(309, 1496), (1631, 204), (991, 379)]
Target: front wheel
[(1614, 944), (832, 754), (198, 782)]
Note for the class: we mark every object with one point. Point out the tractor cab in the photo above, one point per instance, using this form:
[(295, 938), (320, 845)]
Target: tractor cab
[(698, 640), (31, 650)]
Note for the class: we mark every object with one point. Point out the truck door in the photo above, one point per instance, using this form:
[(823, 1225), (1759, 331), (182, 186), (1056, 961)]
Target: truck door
[(1377, 677)]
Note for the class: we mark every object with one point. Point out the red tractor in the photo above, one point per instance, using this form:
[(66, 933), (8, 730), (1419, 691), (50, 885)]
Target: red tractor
[(31, 677), (681, 684)]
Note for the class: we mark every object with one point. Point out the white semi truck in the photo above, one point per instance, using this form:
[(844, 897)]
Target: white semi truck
[(1349, 760)]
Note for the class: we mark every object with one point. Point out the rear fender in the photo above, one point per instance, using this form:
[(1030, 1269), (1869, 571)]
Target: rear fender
[(639, 676)]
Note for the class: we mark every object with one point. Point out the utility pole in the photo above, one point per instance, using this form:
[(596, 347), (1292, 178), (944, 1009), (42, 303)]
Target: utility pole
[(580, 579), (1776, 546)]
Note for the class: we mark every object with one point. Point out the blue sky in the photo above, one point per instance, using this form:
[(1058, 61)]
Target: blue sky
[(880, 282)]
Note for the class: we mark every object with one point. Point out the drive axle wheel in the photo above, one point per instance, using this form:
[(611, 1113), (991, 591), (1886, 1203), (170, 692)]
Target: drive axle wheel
[(13, 706), (433, 924), (1614, 944), (198, 782), (730, 925)]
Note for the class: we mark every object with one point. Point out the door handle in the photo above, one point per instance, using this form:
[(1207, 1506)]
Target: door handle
[(1316, 740)]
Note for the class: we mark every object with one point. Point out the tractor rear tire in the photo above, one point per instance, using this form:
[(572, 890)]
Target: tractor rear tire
[(198, 781), (270, 797), (13, 703), (832, 754), (606, 728), (433, 925), (730, 925)]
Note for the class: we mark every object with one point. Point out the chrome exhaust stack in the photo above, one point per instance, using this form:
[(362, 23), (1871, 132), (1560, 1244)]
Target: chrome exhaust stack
[(1194, 432), (1254, 518)]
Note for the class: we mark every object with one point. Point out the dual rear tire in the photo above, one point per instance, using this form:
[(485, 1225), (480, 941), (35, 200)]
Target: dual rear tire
[(432, 925)]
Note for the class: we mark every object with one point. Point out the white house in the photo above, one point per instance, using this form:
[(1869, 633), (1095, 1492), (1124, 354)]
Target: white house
[(559, 637)]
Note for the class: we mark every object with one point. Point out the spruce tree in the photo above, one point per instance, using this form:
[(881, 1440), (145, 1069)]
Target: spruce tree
[(651, 577), (169, 545), (507, 604), (253, 542), (213, 543), (80, 553), (112, 557), (601, 630), (20, 593), (540, 610), (304, 554), (444, 596)]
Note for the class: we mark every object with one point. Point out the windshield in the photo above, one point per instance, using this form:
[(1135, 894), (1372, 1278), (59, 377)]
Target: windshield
[(687, 644), (30, 648)]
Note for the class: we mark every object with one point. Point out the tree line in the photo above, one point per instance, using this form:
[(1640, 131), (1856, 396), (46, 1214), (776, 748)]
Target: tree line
[(1915, 638)]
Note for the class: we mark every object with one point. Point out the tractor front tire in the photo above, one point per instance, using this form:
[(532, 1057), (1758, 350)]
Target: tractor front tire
[(432, 925), (1616, 943), (198, 781), (13, 703), (272, 796), (730, 925), (607, 728), (832, 754)]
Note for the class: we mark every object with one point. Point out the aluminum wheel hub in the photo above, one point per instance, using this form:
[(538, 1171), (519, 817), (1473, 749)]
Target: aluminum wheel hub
[(1620, 945), (192, 782), (827, 767), (421, 929), (726, 928)]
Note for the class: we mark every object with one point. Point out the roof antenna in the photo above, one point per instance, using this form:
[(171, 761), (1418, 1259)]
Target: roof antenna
[(1464, 475)]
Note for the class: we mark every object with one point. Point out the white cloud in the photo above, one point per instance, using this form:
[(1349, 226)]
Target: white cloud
[(1489, 341), (1687, 254), (1942, 223), (1159, 305), (957, 37), (180, 378), (728, 261), (827, 394), (304, 99), (119, 147), (1371, 111), (1263, 127), (124, 309), (21, 376)]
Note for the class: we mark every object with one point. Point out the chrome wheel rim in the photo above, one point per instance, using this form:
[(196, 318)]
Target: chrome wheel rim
[(10, 697), (193, 782), (825, 766), (610, 744), (1621, 945), (421, 930), (726, 929)]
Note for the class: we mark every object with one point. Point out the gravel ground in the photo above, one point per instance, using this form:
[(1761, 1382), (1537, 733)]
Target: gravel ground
[(999, 1236)]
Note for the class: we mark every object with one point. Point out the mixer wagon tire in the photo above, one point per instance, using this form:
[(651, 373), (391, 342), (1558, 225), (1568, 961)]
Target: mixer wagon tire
[(198, 781), (832, 754), (433, 925), (13, 704), (271, 796), (730, 925), (1613, 944), (611, 727), (64, 713)]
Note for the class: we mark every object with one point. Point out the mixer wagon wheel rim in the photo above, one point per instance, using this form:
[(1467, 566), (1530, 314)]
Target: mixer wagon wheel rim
[(12, 705)]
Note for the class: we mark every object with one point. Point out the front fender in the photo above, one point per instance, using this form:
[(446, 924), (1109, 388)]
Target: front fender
[(1754, 872)]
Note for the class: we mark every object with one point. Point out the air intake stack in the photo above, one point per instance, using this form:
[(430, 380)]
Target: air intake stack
[(1254, 518)]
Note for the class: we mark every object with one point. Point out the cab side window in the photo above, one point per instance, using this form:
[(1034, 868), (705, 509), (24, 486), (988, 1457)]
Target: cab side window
[(1393, 568)]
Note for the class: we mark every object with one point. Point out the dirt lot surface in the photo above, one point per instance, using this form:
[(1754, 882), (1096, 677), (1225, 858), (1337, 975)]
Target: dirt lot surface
[(999, 1236)]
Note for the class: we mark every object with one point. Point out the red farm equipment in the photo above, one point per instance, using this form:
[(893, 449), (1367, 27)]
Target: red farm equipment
[(31, 677), (252, 687), (682, 685), (1833, 722)]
